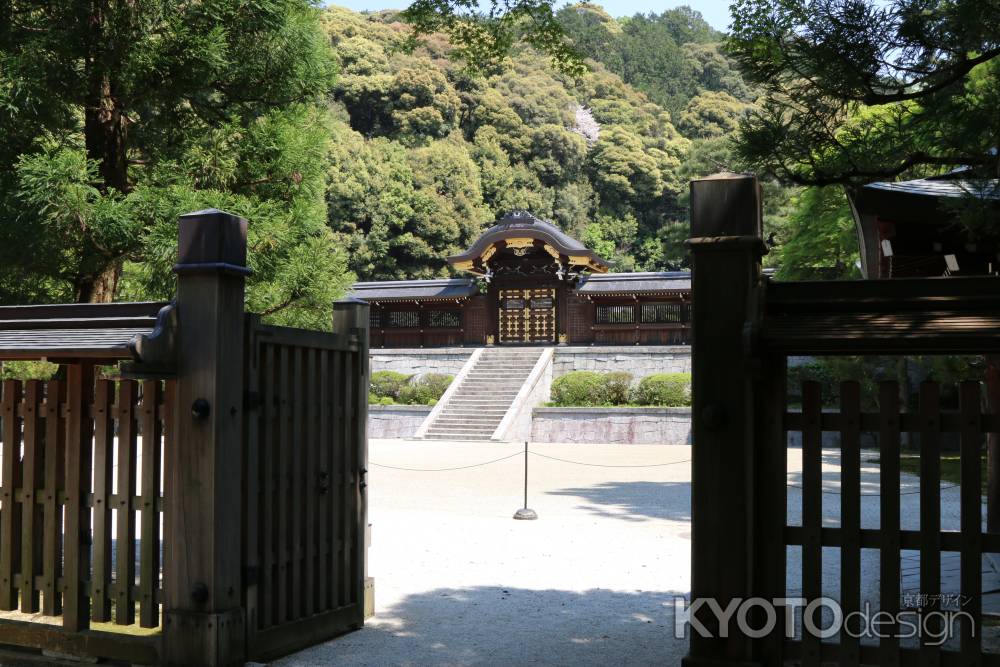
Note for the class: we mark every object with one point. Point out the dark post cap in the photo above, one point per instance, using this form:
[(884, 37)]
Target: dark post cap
[(726, 204), (211, 240)]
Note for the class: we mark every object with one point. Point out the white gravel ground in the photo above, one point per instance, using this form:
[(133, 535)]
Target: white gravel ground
[(591, 582), (459, 582)]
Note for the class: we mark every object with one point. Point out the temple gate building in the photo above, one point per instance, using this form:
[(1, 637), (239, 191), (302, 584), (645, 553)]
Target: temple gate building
[(529, 283)]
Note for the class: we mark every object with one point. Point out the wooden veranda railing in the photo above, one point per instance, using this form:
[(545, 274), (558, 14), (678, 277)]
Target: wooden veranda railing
[(745, 330)]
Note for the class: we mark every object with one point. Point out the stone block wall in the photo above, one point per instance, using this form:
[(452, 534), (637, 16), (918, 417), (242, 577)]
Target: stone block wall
[(635, 426), (639, 360), (447, 360), (395, 421)]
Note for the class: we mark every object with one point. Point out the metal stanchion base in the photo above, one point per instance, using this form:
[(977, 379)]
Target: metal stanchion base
[(525, 514)]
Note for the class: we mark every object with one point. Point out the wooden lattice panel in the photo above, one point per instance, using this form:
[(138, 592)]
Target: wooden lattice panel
[(527, 315)]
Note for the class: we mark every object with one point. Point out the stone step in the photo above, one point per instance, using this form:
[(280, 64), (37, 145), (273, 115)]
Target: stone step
[(461, 434)]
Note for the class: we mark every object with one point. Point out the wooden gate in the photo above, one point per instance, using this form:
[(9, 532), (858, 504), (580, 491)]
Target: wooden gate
[(245, 442), (746, 327), (305, 512), (527, 315)]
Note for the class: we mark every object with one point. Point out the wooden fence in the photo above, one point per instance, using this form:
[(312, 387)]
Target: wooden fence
[(208, 509), (742, 344)]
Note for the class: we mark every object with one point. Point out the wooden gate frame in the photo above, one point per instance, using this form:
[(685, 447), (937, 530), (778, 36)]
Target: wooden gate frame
[(743, 330), (199, 342)]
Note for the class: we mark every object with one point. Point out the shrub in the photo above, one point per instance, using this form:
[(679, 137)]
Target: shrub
[(388, 383), (424, 389), (27, 370), (616, 388), (671, 390), (579, 388)]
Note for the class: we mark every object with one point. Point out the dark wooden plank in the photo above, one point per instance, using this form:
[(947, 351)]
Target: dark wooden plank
[(104, 443), (117, 647), (284, 553), (812, 510), (79, 471), (33, 481), (10, 512), (251, 486), (930, 515), (850, 518), (55, 475), (338, 483), (310, 488), (125, 515), (278, 641), (950, 422), (889, 556), (149, 532), (324, 444), (971, 522), (297, 462), (269, 443), (360, 446)]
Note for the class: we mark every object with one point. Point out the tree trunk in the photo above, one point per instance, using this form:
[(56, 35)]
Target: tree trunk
[(993, 446), (99, 287)]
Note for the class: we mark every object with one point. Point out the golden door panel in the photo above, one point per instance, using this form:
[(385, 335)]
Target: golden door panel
[(527, 315)]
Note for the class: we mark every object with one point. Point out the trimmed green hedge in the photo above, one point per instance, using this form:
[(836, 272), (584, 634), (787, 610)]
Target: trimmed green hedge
[(669, 390), (390, 388), (593, 389)]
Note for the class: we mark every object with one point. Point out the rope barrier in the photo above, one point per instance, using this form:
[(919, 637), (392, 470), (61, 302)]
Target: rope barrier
[(602, 465), (474, 465)]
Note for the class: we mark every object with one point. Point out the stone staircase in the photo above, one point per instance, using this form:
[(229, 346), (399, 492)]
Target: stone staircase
[(482, 399)]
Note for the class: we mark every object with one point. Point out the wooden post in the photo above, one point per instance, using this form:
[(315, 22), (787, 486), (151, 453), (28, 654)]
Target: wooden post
[(350, 318), (726, 248), (993, 446), (203, 618)]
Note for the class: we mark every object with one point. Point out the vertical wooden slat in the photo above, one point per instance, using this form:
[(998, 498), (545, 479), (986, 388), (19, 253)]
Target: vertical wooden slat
[(270, 437), (771, 473), (104, 434), (167, 417), (79, 450), (284, 491), (33, 479), (350, 495), (850, 517), (338, 482), (251, 475), (149, 533), (360, 448), (10, 513), (971, 523), (125, 539), (296, 445), (889, 563), (323, 445), (812, 510), (930, 514), (55, 473), (311, 469)]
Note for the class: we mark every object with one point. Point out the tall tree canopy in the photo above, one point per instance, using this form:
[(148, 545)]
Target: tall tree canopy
[(117, 116), (864, 90)]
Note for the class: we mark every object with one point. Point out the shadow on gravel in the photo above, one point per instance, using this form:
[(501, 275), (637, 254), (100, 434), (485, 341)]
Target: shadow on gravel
[(488, 625), (634, 501)]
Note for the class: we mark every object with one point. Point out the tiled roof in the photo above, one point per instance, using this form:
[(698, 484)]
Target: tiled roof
[(605, 283), (985, 189), (93, 331), (403, 290)]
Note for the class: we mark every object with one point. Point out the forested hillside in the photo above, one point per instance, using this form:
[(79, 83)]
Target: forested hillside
[(426, 154)]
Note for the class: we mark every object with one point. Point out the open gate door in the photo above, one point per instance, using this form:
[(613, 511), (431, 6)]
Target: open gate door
[(305, 508)]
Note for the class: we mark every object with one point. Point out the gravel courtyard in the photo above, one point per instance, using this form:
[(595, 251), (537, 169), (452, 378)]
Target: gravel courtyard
[(459, 582), (591, 582)]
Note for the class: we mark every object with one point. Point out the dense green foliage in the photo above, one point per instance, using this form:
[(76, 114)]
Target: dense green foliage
[(390, 387), (117, 117), (592, 388), (665, 389), (426, 155), (869, 90)]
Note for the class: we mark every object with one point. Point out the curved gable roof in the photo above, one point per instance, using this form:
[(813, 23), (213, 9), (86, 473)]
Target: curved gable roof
[(521, 224)]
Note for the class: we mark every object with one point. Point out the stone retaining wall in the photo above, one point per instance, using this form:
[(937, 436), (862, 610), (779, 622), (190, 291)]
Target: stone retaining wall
[(447, 360), (396, 421), (639, 360), (634, 426)]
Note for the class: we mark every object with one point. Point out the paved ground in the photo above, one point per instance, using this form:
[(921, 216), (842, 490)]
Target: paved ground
[(459, 582), (592, 582)]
